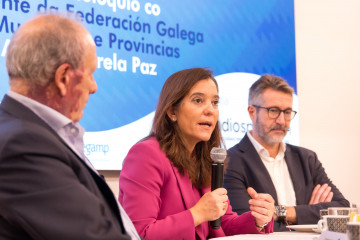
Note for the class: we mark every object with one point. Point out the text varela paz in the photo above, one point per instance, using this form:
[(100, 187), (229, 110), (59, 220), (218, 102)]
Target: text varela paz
[(121, 65)]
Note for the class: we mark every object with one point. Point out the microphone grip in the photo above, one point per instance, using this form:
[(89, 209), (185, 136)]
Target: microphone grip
[(217, 181)]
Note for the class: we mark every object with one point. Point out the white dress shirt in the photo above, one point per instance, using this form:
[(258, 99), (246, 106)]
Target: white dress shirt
[(278, 171)]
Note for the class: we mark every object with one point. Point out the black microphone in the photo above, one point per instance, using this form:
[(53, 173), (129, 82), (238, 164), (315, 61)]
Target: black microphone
[(218, 156)]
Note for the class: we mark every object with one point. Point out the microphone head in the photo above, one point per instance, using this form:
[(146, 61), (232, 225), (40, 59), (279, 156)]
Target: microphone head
[(218, 154)]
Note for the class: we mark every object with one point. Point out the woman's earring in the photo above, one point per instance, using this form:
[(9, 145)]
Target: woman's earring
[(174, 119)]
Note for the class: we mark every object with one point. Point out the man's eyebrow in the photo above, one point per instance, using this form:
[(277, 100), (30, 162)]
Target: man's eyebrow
[(289, 108)]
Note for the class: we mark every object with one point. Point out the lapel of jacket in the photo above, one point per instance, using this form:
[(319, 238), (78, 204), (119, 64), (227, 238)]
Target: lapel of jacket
[(252, 158), (185, 187), (186, 190), (295, 170)]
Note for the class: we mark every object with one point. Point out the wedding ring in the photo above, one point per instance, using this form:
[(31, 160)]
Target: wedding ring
[(224, 207)]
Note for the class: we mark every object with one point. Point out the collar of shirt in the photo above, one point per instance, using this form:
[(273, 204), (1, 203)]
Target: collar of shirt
[(72, 133), (264, 154), (52, 117)]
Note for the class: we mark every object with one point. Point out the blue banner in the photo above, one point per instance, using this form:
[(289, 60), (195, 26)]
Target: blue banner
[(141, 43)]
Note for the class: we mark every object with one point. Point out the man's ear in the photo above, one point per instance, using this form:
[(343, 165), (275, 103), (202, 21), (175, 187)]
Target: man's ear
[(62, 78), (252, 112), (171, 114)]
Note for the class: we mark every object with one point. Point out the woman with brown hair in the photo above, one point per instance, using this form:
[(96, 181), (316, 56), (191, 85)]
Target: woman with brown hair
[(165, 179)]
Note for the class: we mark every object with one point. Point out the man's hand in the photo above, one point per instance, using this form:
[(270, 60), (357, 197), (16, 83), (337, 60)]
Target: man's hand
[(321, 193), (262, 206)]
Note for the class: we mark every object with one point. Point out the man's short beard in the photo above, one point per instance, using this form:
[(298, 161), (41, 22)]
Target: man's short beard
[(265, 136)]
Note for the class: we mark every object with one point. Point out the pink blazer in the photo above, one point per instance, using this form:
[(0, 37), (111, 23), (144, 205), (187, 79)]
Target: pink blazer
[(157, 199)]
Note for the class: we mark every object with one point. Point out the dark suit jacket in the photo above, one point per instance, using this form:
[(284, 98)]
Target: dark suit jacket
[(46, 190), (246, 169)]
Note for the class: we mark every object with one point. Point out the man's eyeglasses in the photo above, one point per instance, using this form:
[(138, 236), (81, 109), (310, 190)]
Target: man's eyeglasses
[(274, 112)]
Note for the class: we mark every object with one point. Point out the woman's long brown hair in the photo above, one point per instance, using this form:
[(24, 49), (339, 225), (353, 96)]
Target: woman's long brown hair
[(198, 163)]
